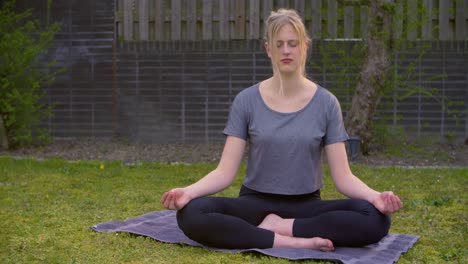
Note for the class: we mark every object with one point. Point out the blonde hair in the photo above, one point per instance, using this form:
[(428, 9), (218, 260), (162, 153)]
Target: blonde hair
[(277, 20)]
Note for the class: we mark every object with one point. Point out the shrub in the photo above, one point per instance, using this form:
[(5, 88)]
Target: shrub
[(23, 74)]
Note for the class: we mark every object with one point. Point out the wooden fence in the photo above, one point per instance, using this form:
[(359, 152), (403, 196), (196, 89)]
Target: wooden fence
[(163, 20)]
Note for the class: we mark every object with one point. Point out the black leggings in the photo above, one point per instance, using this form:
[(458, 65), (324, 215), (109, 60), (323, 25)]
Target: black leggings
[(232, 222)]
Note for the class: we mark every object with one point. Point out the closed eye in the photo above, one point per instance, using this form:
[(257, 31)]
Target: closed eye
[(291, 43)]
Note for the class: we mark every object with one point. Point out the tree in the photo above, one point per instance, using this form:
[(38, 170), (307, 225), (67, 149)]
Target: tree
[(23, 75), (374, 72)]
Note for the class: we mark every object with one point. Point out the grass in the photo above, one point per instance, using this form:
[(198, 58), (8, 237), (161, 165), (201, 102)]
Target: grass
[(47, 207)]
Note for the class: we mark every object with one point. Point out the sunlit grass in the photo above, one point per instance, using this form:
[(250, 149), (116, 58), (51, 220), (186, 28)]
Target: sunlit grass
[(47, 207)]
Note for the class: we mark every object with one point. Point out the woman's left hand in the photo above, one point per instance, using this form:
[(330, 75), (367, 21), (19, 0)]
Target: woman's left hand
[(387, 203)]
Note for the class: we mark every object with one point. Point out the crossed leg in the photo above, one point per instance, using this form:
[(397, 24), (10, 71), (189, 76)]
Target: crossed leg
[(264, 221), (284, 237)]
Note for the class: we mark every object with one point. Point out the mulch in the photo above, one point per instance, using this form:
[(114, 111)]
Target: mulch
[(444, 155)]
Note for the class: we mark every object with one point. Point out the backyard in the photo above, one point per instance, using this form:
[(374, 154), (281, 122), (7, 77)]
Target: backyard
[(48, 201), (162, 71)]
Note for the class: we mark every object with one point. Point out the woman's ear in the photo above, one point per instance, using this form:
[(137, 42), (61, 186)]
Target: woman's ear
[(267, 49)]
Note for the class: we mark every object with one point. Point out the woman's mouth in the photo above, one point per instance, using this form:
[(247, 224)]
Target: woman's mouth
[(286, 61)]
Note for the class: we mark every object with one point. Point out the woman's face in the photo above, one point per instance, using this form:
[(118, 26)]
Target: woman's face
[(286, 51)]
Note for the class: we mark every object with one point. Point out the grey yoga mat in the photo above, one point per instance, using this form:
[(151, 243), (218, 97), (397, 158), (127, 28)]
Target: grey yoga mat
[(162, 226)]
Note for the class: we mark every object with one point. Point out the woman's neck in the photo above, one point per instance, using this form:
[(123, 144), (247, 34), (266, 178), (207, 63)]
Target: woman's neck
[(288, 85)]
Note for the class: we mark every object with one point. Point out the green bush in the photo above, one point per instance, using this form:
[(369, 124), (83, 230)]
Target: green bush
[(23, 74)]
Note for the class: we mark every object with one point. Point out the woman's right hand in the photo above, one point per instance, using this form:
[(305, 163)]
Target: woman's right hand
[(175, 199)]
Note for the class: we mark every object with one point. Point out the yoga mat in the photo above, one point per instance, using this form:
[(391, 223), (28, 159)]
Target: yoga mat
[(162, 226)]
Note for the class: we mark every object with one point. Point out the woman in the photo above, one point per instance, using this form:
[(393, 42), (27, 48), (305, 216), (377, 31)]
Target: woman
[(287, 120)]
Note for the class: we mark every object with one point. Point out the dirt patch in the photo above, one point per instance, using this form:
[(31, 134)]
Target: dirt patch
[(82, 149), (125, 152)]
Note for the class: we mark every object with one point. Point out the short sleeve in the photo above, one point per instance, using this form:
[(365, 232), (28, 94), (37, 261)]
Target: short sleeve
[(335, 131), (237, 123)]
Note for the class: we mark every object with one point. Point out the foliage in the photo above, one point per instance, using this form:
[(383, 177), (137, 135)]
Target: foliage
[(341, 62), (23, 75), (48, 206), (404, 80)]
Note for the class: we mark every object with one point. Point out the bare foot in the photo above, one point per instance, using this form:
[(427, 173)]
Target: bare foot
[(277, 224), (317, 243), (283, 235), (270, 222)]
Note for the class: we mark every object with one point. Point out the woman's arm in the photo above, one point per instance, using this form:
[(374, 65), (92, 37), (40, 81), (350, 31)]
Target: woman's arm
[(350, 185), (215, 181)]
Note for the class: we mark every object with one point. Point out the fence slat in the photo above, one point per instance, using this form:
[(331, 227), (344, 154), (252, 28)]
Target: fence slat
[(267, 8), (175, 19), (191, 20), (254, 19), (232, 19), (223, 20), (444, 26), (159, 20), (316, 29), (128, 19), (426, 30), (196, 19), (240, 19), (299, 6), (120, 18), (398, 23), (143, 21), (412, 18), (349, 22), (282, 4), (332, 19), (364, 14), (207, 19), (460, 20)]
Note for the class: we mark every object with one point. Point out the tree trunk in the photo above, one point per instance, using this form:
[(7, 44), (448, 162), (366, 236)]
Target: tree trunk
[(375, 68), (3, 135)]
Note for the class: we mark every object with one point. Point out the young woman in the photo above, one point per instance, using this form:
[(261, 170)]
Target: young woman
[(288, 120)]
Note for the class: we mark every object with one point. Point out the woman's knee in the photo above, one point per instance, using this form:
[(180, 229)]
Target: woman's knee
[(378, 224), (190, 214), (193, 218)]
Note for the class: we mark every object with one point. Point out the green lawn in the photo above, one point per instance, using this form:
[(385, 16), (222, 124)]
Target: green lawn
[(47, 207)]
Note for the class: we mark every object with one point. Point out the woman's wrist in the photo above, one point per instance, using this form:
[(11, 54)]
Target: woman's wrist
[(374, 197), (189, 192)]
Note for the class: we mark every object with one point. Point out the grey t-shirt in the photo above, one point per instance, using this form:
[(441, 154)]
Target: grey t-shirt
[(285, 148)]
